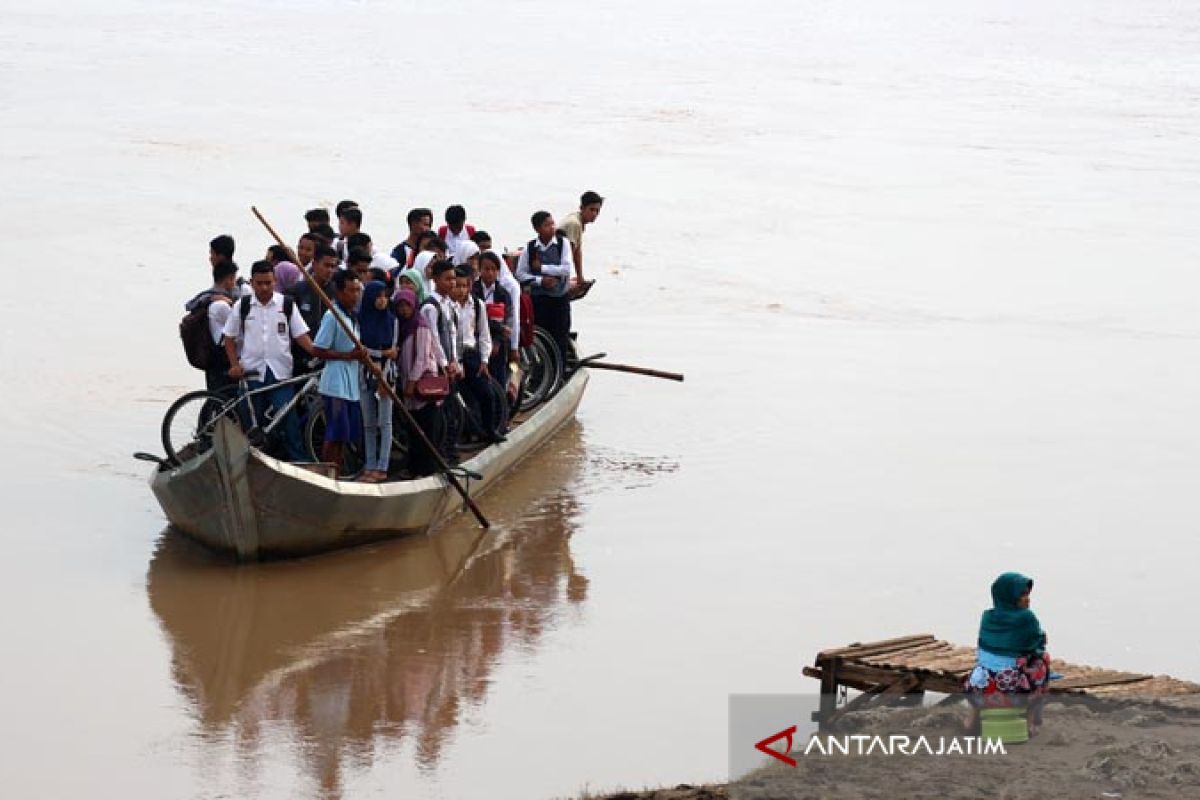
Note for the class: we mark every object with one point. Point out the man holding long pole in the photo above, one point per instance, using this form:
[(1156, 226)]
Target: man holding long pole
[(336, 344)]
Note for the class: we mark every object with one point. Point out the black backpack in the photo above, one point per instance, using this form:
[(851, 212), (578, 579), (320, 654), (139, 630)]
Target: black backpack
[(443, 327), (198, 346)]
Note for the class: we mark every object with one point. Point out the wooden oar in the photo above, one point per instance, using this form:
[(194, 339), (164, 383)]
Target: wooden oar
[(653, 373), (378, 373)]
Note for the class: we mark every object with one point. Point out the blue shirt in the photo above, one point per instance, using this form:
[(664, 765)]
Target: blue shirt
[(340, 378)]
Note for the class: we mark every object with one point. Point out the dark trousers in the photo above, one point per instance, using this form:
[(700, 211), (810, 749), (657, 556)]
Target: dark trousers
[(216, 379), (553, 314), (498, 366), (421, 461), (480, 394)]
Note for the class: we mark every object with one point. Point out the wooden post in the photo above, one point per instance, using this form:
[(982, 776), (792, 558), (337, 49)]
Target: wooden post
[(829, 689)]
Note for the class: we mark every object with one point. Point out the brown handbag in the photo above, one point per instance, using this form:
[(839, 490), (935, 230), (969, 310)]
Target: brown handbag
[(432, 386)]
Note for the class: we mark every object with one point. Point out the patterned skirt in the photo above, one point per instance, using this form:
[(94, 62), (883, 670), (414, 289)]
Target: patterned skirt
[(1021, 685)]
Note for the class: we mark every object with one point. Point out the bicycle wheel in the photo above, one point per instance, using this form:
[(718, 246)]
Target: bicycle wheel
[(353, 456), (546, 341), (564, 363), (546, 369), (530, 392), (190, 421)]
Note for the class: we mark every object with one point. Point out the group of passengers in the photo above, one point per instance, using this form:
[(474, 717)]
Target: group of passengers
[(441, 319)]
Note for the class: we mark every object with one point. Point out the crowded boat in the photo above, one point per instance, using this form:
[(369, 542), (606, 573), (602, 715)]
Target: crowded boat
[(387, 364)]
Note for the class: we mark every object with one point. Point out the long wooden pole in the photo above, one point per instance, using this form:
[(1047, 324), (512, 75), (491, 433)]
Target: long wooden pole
[(653, 373), (378, 373)]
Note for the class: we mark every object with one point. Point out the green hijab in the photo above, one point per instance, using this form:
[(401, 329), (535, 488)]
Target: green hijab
[(416, 278), (1006, 629)]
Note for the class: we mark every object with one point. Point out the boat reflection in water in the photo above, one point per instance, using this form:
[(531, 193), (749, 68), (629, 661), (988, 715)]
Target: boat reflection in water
[(368, 648)]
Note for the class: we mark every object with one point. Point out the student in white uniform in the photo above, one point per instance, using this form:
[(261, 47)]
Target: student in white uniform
[(258, 339), (509, 282), (456, 231), (475, 340)]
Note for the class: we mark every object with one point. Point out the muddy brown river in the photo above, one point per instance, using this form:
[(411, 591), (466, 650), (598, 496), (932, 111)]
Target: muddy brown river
[(930, 272)]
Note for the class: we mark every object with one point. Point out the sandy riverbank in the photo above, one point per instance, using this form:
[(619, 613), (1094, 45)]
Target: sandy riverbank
[(1146, 751)]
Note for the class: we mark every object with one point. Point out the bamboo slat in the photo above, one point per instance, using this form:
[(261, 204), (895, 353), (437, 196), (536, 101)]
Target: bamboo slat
[(860, 649), (953, 664), (1151, 687), (907, 656), (933, 661), (1096, 681)]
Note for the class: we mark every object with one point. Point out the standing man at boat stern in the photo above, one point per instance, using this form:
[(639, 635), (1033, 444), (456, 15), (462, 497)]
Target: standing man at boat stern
[(258, 339), (573, 224), (340, 389), (545, 267)]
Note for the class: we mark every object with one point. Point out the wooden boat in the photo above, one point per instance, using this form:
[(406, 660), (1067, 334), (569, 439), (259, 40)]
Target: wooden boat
[(238, 500)]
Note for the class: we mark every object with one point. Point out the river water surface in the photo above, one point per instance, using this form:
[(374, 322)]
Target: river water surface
[(930, 269)]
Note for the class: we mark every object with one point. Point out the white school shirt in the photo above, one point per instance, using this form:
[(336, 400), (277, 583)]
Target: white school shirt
[(266, 341), (218, 315), (481, 339), (455, 241)]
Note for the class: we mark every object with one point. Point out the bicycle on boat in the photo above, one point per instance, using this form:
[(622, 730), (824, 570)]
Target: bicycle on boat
[(188, 425)]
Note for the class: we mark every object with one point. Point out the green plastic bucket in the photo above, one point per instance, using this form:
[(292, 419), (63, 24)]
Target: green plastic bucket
[(1006, 724)]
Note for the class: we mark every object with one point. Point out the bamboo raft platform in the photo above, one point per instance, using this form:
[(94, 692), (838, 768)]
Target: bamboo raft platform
[(909, 666)]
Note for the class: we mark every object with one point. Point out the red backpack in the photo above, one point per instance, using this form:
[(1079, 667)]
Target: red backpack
[(468, 227), (526, 312)]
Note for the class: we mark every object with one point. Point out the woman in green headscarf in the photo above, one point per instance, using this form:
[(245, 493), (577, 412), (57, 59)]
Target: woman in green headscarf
[(1012, 667), (413, 280)]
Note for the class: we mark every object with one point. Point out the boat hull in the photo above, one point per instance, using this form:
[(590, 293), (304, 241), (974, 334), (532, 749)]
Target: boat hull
[(237, 500)]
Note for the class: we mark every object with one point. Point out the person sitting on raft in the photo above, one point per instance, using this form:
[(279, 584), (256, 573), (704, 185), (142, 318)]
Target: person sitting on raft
[(1012, 668)]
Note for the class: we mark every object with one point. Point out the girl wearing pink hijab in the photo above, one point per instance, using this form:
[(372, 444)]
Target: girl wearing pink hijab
[(287, 275), (417, 357)]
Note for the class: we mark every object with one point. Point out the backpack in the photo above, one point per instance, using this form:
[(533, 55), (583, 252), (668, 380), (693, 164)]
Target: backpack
[(443, 328), (468, 227), (198, 346), (527, 321)]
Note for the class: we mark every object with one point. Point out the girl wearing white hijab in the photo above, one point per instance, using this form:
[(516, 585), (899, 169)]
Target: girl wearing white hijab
[(466, 251), (421, 264)]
